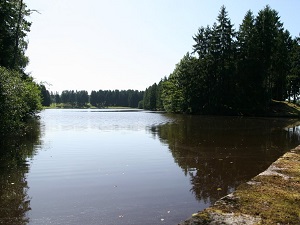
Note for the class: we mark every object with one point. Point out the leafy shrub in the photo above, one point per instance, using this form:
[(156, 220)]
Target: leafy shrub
[(19, 100)]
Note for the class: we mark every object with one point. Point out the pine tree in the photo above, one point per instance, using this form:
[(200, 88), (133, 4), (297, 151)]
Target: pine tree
[(250, 88), (293, 78), (268, 28), (225, 35)]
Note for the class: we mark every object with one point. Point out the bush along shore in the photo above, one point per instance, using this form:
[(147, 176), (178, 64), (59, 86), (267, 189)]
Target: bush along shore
[(272, 197)]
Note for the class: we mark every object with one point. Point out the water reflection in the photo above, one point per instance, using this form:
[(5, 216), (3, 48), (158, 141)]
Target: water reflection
[(97, 166), (219, 153), (14, 154)]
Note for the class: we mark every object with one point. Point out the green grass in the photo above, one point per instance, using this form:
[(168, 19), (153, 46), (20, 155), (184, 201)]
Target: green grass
[(283, 109)]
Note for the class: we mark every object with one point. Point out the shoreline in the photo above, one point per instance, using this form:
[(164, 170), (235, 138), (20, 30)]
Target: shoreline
[(271, 197)]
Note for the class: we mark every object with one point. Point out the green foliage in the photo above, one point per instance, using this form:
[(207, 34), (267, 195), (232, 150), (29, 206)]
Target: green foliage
[(249, 78), (19, 99), (178, 91), (45, 94), (159, 102), (32, 97), (272, 53), (141, 104), (13, 30), (294, 73), (99, 99), (152, 99), (172, 96), (234, 72), (124, 98), (149, 98), (75, 98)]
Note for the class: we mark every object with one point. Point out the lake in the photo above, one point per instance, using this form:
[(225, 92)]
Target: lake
[(113, 167)]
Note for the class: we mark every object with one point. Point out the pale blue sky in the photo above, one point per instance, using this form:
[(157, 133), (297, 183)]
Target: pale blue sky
[(125, 44)]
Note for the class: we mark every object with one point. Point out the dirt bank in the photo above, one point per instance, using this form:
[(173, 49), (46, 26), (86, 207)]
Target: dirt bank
[(272, 197)]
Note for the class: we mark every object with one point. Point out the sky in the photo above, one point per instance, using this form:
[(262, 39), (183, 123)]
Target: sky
[(125, 44)]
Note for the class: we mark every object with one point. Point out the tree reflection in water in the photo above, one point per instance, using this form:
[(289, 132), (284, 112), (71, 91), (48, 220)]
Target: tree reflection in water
[(14, 155), (219, 153)]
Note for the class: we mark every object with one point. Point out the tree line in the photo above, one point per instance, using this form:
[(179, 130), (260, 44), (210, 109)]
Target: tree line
[(99, 99), (125, 98), (232, 71)]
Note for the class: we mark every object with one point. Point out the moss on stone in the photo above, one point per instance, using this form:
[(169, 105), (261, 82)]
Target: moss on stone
[(272, 197)]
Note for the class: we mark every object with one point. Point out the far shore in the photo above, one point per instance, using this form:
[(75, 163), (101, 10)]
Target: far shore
[(282, 109)]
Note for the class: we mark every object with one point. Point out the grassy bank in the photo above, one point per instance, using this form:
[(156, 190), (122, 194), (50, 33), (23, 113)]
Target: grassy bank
[(68, 106), (283, 109), (272, 197)]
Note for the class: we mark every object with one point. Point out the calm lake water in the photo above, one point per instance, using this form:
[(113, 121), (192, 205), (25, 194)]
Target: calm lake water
[(118, 167)]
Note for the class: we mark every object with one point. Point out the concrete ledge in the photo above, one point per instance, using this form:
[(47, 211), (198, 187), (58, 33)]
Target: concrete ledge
[(272, 197)]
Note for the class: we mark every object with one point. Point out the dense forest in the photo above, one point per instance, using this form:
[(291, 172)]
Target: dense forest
[(232, 72), (99, 99), (20, 96)]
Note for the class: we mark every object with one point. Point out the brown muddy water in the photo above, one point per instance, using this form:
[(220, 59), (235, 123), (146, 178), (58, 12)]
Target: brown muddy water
[(136, 168)]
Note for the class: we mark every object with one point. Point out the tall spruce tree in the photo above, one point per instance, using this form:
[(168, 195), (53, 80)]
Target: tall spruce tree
[(293, 87), (45, 94), (225, 47), (250, 88), (269, 31)]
